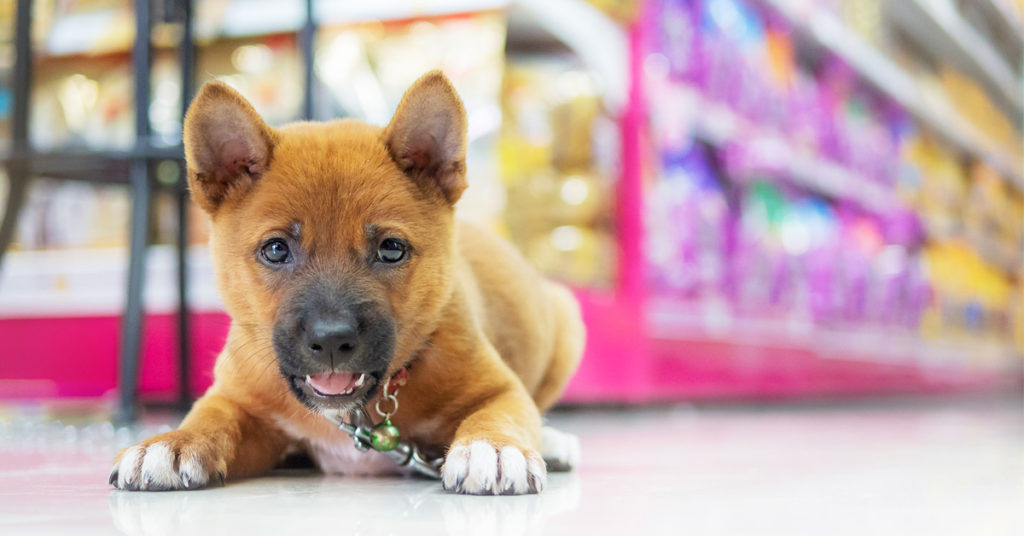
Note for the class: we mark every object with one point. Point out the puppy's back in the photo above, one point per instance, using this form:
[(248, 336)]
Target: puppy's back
[(533, 323)]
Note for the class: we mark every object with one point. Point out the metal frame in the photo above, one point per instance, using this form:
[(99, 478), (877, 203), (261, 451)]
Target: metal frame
[(139, 179), (124, 167), (307, 38), (187, 59), (17, 172), (132, 168)]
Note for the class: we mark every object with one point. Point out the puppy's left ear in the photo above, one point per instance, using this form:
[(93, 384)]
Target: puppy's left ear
[(427, 136)]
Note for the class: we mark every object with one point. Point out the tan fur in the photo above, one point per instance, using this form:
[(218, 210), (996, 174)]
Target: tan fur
[(492, 344)]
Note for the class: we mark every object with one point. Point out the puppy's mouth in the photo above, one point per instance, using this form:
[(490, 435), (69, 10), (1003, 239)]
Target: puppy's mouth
[(337, 389), (330, 384)]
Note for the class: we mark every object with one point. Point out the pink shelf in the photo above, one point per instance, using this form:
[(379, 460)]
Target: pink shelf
[(76, 357), (48, 357), (624, 364)]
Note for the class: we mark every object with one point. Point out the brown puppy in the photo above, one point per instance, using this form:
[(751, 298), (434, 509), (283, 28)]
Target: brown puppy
[(341, 263)]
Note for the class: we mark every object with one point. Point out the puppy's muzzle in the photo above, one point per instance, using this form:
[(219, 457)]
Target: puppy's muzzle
[(332, 349)]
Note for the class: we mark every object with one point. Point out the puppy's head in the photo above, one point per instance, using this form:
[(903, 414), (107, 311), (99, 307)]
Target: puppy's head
[(332, 242)]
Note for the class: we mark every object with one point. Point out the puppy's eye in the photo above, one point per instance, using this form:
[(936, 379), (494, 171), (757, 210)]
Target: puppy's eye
[(276, 252), (391, 250)]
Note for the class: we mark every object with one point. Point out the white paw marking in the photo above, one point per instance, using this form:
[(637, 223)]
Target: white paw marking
[(192, 473), (152, 468), (511, 466), (560, 450), (456, 464), (479, 469), (158, 468), (483, 468), (130, 468)]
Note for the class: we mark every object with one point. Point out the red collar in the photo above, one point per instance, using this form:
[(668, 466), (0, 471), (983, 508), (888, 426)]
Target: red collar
[(400, 377)]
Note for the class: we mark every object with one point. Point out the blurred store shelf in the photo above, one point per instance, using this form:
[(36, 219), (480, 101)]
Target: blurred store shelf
[(110, 30), (673, 324), (331, 12), (696, 352), (89, 282), (553, 75), (1004, 256), (670, 320), (938, 26), (828, 31), (1003, 12), (102, 166), (719, 125), (600, 42)]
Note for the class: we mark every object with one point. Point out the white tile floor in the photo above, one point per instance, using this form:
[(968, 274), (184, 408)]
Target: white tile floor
[(871, 469)]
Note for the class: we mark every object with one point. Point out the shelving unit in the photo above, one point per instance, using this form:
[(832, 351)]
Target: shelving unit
[(830, 33), (1001, 11), (642, 346), (936, 25), (79, 305), (701, 342), (719, 125)]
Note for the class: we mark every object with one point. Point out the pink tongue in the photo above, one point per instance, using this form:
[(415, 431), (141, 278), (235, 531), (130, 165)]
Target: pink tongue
[(332, 383)]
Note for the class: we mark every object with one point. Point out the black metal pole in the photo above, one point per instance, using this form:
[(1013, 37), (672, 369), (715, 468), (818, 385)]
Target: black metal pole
[(306, 42), (132, 321), (187, 61), (17, 169), (22, 74), (17, 190)]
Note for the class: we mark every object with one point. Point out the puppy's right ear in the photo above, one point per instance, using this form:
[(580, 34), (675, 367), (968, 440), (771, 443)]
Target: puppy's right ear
[(227, 145)]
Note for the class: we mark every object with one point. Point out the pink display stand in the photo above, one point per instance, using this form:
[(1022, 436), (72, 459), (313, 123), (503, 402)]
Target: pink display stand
[(625, 363)]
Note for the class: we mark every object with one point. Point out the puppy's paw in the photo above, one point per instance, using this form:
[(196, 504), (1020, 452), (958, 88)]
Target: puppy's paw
[(175, 460), (561, 450), (480, 468)]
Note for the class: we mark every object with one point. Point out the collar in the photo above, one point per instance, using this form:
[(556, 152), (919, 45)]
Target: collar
[(400, 377)]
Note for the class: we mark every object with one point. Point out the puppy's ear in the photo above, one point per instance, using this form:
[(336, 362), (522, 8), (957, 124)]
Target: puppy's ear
[(427, 136), (227, 145)]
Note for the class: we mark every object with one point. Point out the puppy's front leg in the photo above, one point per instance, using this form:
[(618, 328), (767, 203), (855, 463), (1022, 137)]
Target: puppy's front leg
[(217, 440), (495, 448)]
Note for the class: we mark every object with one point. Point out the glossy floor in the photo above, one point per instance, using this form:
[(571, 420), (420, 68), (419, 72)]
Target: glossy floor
[(895, 468)]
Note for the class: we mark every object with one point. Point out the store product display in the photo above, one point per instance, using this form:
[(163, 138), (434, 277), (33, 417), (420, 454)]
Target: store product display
[(791, 197), (729, 223)]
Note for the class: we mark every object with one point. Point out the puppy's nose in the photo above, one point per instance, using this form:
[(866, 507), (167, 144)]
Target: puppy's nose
[(333, 338)]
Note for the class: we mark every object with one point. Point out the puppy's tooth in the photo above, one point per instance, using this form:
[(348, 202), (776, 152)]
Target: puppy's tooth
[(359, 381), (308, 379)]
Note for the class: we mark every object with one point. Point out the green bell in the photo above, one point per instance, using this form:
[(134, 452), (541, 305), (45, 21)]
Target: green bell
[(384, 436)]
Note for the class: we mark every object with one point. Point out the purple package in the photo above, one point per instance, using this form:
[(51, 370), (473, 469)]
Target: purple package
[(676, 35), (919, 294), (834, 82), (686, 226)]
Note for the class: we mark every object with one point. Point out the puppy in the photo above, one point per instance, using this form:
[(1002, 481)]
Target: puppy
[(341, 264)]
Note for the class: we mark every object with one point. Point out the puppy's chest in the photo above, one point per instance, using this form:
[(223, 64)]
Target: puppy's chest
[(337, 454)]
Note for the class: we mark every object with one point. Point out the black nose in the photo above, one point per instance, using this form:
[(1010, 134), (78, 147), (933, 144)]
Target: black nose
[(331, 338)]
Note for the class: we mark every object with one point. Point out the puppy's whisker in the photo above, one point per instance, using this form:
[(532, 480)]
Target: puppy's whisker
[(257, 355), (252, 348)]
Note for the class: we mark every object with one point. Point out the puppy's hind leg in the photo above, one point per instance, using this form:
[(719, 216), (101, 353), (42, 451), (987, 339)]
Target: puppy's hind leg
[(570, 336), (560, 450)]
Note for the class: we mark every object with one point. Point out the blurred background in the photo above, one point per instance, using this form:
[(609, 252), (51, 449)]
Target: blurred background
[(795, 228), (785, 199)]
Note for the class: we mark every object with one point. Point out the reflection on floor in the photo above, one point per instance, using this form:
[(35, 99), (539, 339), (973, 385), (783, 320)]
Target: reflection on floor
[(894, 468)]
